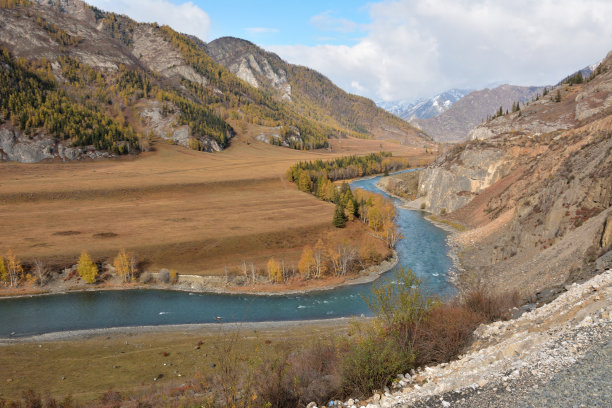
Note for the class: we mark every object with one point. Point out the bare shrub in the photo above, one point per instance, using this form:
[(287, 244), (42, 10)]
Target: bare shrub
[(164, 276), (491, 307), (444, 334), (146, 277)]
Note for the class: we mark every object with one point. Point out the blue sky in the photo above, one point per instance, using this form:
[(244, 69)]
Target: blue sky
[(404, 49), (287, 23)]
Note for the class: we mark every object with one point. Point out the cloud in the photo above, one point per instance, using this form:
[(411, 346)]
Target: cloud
[(261, 30), (326, 22), (414, 48), (185, 17)]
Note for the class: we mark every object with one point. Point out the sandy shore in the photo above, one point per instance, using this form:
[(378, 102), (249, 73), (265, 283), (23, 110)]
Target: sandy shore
[(183, 328)]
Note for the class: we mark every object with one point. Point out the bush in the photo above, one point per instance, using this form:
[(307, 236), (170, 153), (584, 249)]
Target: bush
[(491, 307), (146, 277), (372, 362), (444, 334), (164, 276)]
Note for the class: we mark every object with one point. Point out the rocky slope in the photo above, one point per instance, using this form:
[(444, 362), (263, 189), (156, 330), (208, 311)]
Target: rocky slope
[(536, 190), (424, 108), (309, 92), (454, 124), (513, 363)]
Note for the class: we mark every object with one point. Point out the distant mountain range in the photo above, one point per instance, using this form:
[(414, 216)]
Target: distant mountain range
[(449, 116), (424, 108)]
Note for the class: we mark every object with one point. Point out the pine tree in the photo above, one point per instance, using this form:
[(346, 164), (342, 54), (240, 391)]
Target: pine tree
[(86, 268), (339, 219)]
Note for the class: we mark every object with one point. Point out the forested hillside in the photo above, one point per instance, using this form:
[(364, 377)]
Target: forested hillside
[(113, 83), (310, 93)]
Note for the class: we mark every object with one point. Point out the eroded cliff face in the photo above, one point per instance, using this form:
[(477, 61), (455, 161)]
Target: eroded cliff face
[(453, 183), (537, 193)]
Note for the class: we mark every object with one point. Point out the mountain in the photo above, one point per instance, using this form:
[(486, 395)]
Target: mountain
[(535, 186), (424, 108), (454, 124), (80, 82), (309, 92)]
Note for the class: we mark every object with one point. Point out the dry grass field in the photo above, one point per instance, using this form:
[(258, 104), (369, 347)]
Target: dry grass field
[(128, 363), (175, 208)]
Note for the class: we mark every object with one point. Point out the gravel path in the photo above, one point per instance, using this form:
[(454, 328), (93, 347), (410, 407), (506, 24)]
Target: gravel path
[(585, 384)]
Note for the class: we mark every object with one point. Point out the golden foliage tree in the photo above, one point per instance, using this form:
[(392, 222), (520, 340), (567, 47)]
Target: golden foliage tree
[(14, 268), (318, 257), (275, 271), (86, 268), (307, 262), (122, 266), (4, 277)]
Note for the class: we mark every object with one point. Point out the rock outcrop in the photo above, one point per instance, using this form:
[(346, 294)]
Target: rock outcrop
[(15, 146)]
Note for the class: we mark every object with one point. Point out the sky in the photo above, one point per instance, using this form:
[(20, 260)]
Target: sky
[(403, 49)]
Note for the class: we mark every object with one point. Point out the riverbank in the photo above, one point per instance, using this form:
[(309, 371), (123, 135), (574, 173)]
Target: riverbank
[(195, 328), (213, 285)]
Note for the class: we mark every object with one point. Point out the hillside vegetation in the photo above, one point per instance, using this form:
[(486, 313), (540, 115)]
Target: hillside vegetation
[(132, 81), (311, 94)]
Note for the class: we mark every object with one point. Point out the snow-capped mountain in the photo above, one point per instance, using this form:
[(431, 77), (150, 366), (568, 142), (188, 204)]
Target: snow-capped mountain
[(425, 107)]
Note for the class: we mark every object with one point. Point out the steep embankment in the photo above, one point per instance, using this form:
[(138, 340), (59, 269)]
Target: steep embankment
[(537, 191)]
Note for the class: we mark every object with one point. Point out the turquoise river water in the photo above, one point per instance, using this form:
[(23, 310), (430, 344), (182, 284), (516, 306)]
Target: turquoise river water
[(423, 249)]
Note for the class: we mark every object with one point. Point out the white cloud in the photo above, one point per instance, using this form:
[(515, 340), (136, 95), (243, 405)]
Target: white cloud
[(185, 17), (416, 48), (261, 30), (327, 22)]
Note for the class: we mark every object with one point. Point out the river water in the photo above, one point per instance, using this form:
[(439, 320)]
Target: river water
[(423, 249)]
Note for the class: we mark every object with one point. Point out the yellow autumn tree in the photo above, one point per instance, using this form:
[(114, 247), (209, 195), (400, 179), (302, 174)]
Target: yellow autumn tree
[(306, 263), (122, 265), (86, 268), (275, 272), (4, 277), (14, 268), (350, 210), (318, 256)]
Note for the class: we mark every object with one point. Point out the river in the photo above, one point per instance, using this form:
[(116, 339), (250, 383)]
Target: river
[(423, 249)]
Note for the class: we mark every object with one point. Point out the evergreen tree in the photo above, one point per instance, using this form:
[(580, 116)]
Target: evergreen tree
[(339, 219), (86, 268)]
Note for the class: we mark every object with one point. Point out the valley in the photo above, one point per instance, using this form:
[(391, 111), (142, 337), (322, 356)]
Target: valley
[(174, 207)]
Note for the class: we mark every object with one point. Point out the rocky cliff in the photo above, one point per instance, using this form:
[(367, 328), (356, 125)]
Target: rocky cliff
[(536, 192)]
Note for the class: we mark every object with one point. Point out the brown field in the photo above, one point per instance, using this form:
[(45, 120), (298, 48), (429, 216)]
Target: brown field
[(176, 208), (128, 363)]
